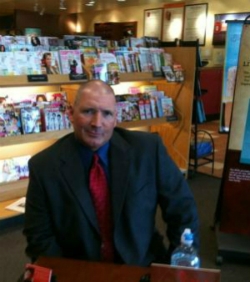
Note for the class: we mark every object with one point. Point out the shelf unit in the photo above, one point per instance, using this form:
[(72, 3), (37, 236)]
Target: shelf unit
[(175, 134)]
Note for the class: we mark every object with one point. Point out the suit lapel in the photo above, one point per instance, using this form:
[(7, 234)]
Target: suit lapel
[(119, 166), (73, 172)]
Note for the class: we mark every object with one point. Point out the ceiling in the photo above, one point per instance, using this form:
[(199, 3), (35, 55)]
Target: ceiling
[(7, 7)]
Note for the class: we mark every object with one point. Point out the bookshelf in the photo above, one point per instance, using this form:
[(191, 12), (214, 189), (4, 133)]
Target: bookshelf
[(175, 134)]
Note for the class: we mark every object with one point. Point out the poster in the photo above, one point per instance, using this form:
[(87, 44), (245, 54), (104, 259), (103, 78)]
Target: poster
[(195, 23), (235, 190), (153, 23), (233, 37), (172, 22)]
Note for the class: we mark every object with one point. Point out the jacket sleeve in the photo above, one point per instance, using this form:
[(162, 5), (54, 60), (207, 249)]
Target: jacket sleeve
[(38, 227), (176, 200)]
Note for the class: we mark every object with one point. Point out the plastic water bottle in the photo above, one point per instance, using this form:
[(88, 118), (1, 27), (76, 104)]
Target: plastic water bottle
[(186, 254)]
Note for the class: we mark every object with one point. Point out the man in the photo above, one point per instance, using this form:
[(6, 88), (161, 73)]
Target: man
[(60, 218)]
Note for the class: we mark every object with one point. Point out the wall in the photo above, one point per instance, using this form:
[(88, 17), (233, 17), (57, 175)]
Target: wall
[(135, 13)]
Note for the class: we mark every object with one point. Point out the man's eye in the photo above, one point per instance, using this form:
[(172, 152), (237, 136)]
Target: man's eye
[(88, 111), (107, 113)]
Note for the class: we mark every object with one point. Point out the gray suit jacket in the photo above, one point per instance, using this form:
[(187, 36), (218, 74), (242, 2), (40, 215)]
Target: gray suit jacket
[(60, 218)]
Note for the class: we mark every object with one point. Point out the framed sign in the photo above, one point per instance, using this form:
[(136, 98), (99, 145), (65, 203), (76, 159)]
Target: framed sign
[(172, 21), (195, 22), (153, 22)]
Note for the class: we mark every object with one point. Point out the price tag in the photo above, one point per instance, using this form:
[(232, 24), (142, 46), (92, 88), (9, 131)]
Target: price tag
[(37, 78)]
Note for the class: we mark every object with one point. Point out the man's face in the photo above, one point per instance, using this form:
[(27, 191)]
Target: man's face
[(94, 117)]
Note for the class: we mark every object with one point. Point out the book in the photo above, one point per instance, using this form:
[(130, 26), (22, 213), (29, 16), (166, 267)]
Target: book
[(49, 61), (8, 171), (169, 73), (37, 273), (112, 73), (90, 56), (70, 61), (8, 64), (11, 121), (54, 117), (178, 72), (99, 71), (21, 166), (120, 61), (167, 106), (31, 120), (27, 63), (145, 60), (156, 58), (122, 109)]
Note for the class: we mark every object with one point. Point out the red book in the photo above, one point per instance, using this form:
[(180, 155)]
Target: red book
[(35, 273)]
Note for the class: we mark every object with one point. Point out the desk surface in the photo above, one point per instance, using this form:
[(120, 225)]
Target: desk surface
[(81, 271)]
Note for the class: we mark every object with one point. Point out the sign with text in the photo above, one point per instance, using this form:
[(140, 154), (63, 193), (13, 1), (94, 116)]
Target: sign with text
[(235, 190)]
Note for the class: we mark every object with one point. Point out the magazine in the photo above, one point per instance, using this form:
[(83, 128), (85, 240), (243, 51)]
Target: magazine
[(70, 61), (31, 120), (49, 62), (7, 171), (169, 73)]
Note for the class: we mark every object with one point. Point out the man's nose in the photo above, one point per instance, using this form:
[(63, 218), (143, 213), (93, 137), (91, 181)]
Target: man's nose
[(97, 119)]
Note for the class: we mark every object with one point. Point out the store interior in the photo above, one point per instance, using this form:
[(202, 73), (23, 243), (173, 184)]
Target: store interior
[(80, 18)]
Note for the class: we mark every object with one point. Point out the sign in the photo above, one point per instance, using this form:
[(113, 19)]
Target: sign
[(195, 23), (235, 190)]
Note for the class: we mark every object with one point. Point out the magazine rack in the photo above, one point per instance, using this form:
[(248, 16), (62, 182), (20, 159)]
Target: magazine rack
[(174, 134), (201, 150)]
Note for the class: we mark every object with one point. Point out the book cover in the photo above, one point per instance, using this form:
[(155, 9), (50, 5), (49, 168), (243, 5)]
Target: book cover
[(156, 58), (113, 74), (147, 105), (145, 60), (142, 112), (27, 63), (120, 61), (137, 42), (122, 109), (31, 120), (54, 117), (99, 71), (179, 72), (168, 73), (21, 166), (70, 61), (167, 106), (7, 63), (90, 56), (11, 121), (8, 171), (37, 273), (49, 62)]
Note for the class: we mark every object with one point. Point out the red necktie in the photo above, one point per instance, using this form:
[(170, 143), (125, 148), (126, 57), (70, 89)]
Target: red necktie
[(100, 195)]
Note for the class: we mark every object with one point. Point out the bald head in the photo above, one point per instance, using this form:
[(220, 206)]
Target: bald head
[(93, 86)]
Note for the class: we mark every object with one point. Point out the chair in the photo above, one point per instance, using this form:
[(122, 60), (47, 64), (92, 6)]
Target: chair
[(201, 150)]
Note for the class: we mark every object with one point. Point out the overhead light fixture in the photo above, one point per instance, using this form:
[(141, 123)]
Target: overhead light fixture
[(62, 5), (90, 3)]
